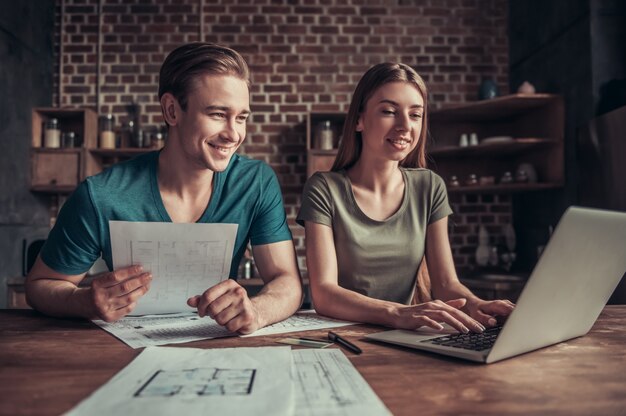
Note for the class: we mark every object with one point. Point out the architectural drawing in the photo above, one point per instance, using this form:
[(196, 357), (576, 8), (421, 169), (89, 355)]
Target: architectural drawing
[(144, 331), (327, 384), (199, 382), (185, 259), (180, 265)]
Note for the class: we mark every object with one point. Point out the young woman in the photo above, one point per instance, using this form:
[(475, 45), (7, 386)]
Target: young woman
[(372, 219)]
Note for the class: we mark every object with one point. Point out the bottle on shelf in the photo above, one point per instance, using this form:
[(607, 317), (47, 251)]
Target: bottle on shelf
[(483, 251), (107, 135), (324, 135), (52, 134)]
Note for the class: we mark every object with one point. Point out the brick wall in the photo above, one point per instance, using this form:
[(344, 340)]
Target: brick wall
[(304, 56)]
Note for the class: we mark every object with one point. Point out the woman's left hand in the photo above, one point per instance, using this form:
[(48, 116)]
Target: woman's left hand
[(485, 311)]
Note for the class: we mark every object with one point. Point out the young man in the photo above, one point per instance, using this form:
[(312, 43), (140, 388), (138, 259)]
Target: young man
[(197, 177)]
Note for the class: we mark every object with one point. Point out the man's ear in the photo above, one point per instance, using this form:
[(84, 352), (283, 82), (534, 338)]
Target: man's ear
[(170, 108)]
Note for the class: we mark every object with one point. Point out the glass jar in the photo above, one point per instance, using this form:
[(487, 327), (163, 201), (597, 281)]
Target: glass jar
[(107, 135), (69, 139), (324, 135), (52, 134)]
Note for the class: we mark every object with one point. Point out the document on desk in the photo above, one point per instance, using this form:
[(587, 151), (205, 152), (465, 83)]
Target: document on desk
[(185, 259), (152, 330), (327, 384), (191, 381)]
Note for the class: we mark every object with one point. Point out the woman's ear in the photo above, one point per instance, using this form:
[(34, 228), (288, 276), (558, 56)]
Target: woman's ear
[(170, 109), (359, 124)]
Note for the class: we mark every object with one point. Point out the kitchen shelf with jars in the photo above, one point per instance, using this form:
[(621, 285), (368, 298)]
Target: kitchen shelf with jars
[(323, 132), (507, 144), (69, 144), (59, 142)]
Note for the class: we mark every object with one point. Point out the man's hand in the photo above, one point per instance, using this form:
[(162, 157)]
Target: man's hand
[(115, 294), (487, 312), (229, 305)]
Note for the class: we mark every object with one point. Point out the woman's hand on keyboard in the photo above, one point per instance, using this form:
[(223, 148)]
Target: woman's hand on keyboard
[(488, 312), (432, 313)]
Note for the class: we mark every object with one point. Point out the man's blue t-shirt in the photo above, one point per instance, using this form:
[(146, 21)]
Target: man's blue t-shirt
[(247, 193)]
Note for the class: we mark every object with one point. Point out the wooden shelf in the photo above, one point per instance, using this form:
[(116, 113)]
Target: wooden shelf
[(494, 109), (122, 152), (61, 150), (508, 188), (515, 146)]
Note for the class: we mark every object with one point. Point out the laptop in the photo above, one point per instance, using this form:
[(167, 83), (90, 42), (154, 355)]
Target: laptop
[(574, 278)]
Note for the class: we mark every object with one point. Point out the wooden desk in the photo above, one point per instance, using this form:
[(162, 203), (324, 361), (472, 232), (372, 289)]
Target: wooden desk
[(49, 365)]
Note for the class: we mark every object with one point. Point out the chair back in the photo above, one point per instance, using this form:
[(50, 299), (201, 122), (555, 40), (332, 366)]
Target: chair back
[(30, 251)]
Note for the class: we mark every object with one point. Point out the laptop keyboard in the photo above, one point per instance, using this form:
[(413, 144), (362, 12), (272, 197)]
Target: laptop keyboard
[(470, 341)]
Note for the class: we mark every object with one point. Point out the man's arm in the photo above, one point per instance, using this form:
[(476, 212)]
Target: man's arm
[(228, 303), (111, 296), (282, 294)]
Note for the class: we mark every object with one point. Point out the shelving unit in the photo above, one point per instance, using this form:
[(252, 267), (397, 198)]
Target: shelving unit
[(58, 171), (534, 121), (318, 159), (120, 153)]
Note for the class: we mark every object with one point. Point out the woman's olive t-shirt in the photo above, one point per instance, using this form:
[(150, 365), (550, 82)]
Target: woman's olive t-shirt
[(378, 259)]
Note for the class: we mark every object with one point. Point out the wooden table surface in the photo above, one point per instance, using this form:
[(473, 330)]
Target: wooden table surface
[(49, 365)]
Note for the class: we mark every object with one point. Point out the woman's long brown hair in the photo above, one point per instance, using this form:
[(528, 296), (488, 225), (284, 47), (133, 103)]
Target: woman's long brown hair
[(377, 76)]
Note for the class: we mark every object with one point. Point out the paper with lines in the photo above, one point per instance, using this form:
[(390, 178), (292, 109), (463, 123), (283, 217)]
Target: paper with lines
[(327, 384), (153, 330), (185, 259)]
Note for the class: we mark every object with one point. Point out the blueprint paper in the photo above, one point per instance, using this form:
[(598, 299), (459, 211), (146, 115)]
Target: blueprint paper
[(152, 330), (185, 259), (235, 381), (327, 384), (190, 381), (301, 321)]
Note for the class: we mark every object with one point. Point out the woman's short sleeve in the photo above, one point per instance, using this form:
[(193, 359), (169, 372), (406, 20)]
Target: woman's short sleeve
[(439, 205), (316, 204)]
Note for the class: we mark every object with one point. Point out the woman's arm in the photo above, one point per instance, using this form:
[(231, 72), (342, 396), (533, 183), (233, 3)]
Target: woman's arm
[(332, 300), (446, 284)]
